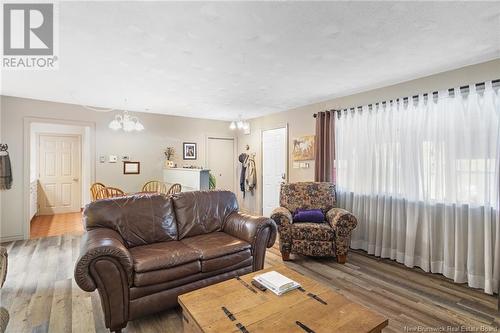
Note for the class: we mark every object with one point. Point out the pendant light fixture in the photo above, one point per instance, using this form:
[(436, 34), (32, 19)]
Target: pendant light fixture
[(240, 124), (126, 122)]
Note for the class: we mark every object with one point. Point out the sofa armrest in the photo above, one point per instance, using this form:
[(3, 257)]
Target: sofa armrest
[(101, 243), (260, 232), (249, 228), (282, 216)]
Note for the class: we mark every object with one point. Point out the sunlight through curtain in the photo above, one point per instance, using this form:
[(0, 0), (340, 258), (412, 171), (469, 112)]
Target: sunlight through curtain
[(422, 177)]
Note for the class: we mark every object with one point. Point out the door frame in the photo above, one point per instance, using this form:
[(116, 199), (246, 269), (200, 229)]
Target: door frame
[(27, 159), (287, 153), (235, 154), (80, 174)]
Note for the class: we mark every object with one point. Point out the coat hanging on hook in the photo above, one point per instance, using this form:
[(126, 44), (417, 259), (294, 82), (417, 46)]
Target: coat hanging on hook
[(5, 168)]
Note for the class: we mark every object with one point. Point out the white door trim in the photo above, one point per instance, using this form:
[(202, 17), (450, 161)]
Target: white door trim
[(27, 159), (287, 170), (235, 154)]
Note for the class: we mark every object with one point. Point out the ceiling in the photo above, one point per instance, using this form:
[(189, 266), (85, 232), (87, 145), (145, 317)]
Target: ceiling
[(219, 60)]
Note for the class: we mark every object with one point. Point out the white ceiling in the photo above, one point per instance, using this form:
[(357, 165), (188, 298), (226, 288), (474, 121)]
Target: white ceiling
[(222, 59)]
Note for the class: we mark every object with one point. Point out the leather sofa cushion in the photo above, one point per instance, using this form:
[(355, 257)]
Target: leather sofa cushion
[(162, 255), (140, 219), (167, 274), (202, 212), (215, 264), (216, 244), (137, 292), (312, 231)]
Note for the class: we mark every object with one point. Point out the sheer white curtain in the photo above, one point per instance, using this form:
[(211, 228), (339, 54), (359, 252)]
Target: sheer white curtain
[(422, 177)]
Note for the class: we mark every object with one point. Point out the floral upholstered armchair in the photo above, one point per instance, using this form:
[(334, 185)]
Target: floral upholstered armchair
[(329, 238)]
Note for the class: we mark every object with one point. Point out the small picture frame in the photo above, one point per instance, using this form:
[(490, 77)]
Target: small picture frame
[(131, 168), (189, 151)]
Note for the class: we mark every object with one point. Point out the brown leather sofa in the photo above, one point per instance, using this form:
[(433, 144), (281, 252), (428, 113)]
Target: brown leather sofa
[(140, 252)]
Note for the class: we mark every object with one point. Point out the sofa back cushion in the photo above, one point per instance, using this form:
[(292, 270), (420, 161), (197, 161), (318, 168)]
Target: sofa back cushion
[(140, 219), (308, 195), (202, 212)]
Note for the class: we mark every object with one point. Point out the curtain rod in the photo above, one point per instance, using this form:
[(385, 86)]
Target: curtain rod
[(495, 83)]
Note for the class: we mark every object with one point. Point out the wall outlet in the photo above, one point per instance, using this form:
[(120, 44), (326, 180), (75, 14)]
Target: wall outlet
[(102, 159)]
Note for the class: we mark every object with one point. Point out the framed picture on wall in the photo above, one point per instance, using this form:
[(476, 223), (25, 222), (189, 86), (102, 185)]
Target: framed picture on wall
[(189, 151), (131, 168)]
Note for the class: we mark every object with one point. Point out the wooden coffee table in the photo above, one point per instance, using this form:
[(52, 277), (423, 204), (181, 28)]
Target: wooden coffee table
[(232, 306)]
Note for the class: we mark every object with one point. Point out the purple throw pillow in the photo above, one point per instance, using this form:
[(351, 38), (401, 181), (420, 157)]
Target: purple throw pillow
[(309, 215)]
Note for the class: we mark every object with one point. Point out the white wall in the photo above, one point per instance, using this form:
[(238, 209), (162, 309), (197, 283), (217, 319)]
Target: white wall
[(301, 122), (147, 147)]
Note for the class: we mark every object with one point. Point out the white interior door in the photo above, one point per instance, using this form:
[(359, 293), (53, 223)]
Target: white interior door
[(221, 162), (59, 174), (274, 162)]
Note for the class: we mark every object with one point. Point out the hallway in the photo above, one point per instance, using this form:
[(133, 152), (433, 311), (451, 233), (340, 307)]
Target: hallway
[(56, 225)]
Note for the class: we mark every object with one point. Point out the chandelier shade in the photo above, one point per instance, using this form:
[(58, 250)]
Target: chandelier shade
[(126, 122)]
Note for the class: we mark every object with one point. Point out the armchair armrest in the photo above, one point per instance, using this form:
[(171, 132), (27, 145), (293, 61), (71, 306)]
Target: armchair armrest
[(342, 221), (249, 228), (282, 216), (106, 244)]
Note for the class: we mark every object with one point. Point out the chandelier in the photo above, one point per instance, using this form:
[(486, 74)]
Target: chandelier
[(240, 124), (126, 122)]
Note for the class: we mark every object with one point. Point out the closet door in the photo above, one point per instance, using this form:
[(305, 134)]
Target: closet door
[(221, 161)]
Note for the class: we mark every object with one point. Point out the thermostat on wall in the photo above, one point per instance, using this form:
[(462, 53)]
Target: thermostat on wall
[(112, 159)]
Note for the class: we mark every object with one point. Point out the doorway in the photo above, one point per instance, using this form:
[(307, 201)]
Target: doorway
[(274, 167), (60, 172), (221, 162)]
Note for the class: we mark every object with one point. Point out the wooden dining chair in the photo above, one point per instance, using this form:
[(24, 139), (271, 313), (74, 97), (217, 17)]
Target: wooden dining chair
[(176, 188), (94, 190), (110, 192), (155, 186)]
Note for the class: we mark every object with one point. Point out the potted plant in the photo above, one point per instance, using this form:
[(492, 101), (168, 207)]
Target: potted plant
[(169, 154)]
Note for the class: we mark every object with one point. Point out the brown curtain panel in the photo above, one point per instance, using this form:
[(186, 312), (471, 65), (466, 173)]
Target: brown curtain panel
[(325, 147)]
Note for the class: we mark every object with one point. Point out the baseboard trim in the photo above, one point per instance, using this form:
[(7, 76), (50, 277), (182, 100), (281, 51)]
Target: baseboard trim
[(11, 238)]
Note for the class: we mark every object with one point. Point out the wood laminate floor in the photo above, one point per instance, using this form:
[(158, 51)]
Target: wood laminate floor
[(41, 295), (55, 225)]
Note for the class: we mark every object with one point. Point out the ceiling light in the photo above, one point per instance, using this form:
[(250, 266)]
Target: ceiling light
[(126, 122), (240, 124)]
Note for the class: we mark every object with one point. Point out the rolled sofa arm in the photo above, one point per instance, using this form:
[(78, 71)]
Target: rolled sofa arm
[(342, 222), (260, 232), (249, 228), (101, 243)]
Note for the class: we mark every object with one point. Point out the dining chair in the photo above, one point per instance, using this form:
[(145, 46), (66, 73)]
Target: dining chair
[(176, 188), (155, 186), (94, 190), (110, 192)]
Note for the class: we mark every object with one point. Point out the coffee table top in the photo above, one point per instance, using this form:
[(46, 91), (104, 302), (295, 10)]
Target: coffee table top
[(260, 311)]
